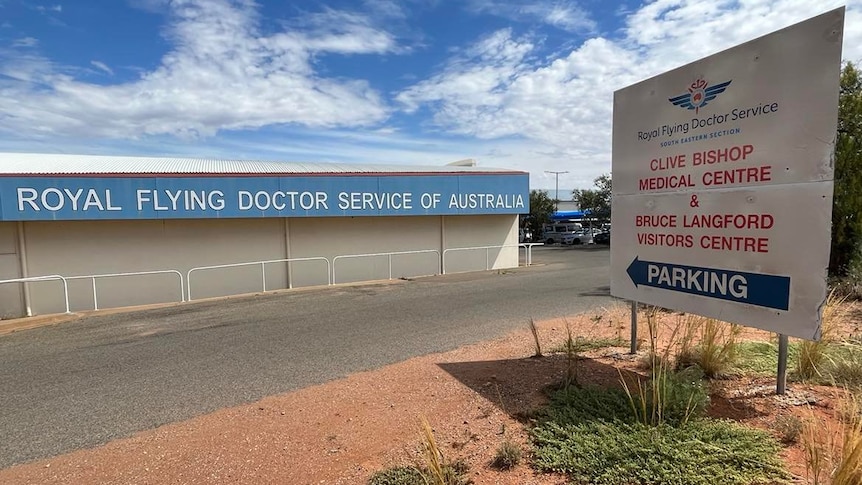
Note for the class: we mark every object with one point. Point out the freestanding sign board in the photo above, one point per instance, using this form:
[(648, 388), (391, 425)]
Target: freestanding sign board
[(722, 181)]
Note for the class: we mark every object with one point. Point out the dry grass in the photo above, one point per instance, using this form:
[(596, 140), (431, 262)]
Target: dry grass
[(813, 354), (709, 344), (432, 455), (571, 378), (535, 331), (834, 456), (848, 465)]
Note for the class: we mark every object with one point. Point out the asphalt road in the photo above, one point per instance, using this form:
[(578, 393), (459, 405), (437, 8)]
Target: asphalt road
[(86, 382)]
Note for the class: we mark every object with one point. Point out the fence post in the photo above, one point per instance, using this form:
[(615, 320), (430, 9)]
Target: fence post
[(66, 291), (290, 275), (781, 384), (95, 298), (634, 343), (263, 275)]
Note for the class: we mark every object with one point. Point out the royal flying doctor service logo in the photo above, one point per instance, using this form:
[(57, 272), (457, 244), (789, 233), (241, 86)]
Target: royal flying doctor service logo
[(699, 94)]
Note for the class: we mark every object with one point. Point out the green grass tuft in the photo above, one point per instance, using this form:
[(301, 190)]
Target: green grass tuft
[(592, 436), (841, 364), (760, 358), (703, 452)]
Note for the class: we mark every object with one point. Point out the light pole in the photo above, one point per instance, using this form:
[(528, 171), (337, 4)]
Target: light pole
[(556, 188)]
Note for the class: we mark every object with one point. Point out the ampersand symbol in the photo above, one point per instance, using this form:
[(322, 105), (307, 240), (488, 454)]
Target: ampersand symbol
[(694, 202)]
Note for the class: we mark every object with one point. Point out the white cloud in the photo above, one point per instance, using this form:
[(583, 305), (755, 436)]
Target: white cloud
[(472, 82), (49, 8), (25, 42), (102, 67), (563, 107), (221, 74), (498, 100), (564, 15)]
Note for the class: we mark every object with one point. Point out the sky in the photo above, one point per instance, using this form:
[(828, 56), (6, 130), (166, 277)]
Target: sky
[(524, 85)]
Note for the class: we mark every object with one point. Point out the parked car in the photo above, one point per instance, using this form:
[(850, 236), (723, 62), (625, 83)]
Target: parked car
[(581, 237), (602, 238), (562, 233)]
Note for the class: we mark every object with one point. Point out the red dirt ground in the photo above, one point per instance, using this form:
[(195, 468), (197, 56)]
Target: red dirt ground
[(343, 431)]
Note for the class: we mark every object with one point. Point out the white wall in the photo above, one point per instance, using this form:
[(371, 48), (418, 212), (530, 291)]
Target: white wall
[(330, 237), (75, 248), (11, 303), (478, 231)]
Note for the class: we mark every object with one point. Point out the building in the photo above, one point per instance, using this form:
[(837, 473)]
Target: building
[(76, 216)]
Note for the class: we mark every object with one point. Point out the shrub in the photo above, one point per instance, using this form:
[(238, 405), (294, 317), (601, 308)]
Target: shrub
[(812, 354), (703, 452), (844, 366), (591, 435), (669, 397), (403, 475), (452, 474), (789, 428), (508, 456), (716, 350)]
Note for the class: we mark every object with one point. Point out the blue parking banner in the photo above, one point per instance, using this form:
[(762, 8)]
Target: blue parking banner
[(94, 198), (758, 289)]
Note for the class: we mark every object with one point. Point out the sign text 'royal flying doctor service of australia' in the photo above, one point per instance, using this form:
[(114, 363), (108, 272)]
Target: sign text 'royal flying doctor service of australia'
[(722, 181), (168, 197)]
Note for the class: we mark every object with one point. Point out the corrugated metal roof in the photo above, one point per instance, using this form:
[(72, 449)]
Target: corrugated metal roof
[(65, 165)]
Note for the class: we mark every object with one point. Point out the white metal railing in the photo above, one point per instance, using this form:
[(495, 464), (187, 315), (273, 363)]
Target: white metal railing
[(185, 287), (93, 277), (34, 279), (390, 254), (262, 270), (528, 249), (476, 248)]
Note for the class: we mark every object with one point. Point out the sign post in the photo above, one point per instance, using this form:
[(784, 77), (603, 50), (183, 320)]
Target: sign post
[(723, 174)]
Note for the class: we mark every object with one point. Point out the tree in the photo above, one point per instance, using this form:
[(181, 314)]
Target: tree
[(597, 201), (847, 200), (541, 208)]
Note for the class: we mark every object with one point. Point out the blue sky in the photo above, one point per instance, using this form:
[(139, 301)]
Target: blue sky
[(526, 85)]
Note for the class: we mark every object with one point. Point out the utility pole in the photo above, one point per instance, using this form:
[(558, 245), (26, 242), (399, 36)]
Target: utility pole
[(557, 188)]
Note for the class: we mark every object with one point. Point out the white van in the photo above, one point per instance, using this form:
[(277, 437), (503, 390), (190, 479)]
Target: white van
[(561, 233)]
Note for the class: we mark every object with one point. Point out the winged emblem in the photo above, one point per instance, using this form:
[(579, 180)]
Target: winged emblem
[(699, 94)]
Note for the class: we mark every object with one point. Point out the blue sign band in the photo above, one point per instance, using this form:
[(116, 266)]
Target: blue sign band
[(763, 290), (89, 198)]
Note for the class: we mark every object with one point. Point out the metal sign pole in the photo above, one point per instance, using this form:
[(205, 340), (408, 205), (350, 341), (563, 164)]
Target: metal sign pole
[(634, 342), (781, 385)]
